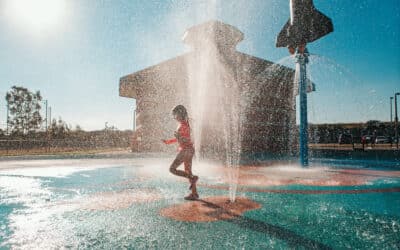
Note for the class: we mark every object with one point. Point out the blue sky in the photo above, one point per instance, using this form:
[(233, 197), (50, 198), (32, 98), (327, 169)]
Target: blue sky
[(76, 57)]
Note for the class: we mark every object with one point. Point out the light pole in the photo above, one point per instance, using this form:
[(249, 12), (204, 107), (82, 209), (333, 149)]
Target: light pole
[(50, 115), (49, 134), (391, 113), (396, 120), (8, 111), (45, 101)]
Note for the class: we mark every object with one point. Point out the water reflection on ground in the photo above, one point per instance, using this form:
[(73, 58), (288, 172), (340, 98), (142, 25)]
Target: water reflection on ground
[(108, 203)]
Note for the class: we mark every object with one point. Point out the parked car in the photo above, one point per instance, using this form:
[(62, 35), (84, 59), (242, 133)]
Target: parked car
[(345, 139), (366, 139), (382, 139)]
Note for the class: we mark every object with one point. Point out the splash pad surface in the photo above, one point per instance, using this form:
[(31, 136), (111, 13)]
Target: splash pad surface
[(108, 203)]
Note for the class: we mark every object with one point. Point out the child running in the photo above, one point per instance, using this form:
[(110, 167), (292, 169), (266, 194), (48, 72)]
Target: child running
[(186, 150)]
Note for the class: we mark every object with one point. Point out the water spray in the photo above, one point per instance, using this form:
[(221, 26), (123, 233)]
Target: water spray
[(306, 24)]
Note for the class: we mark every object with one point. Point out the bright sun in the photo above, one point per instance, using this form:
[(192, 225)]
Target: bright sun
[(36, 15)]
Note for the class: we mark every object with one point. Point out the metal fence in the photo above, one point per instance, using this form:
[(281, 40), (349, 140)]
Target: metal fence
[(62, 144)]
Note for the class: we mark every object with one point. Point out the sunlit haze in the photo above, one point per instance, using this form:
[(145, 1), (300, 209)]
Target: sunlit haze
[(36, 16), (74, 52)]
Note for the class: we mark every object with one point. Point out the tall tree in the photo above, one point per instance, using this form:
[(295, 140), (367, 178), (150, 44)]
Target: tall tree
[(24, 107)]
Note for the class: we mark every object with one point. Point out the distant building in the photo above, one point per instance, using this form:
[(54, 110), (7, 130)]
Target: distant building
[(219, 85)]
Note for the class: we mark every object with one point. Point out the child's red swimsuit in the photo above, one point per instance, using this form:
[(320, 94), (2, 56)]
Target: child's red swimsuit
[(184, 132)]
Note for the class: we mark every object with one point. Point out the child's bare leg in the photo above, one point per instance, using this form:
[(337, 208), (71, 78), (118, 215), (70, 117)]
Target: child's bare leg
[(194, 188), (185, 156), (175, 164), (188, 169), (173, 169)]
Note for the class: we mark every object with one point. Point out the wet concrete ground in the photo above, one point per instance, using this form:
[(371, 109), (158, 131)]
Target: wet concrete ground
[(70, 198)]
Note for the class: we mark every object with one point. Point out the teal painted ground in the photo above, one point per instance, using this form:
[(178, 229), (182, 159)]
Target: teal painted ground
[(39, 211)]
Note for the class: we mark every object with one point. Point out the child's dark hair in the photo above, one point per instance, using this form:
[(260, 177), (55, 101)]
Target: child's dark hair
[(180, 111)]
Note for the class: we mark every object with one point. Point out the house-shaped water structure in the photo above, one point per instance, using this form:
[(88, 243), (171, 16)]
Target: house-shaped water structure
[(235, 100)]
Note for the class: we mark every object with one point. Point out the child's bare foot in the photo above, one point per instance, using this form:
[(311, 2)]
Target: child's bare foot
[(193, 181), (192, 197)]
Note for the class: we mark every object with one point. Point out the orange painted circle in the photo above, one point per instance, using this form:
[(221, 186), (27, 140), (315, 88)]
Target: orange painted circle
[(209, 209)]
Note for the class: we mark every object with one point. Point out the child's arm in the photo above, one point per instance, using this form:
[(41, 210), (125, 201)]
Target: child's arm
[(170, 141), (179, 137)]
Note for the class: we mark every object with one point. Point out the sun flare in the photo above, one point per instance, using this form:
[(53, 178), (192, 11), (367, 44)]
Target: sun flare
[(36, 15)]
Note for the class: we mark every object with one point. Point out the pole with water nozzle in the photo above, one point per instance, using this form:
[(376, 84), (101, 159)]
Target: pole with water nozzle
[(306, 24), (396, 120)]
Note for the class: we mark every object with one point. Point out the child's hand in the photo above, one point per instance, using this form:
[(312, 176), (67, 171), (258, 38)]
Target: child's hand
[(177, 135)]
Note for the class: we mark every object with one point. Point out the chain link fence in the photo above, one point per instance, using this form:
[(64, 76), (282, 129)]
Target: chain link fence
[(84, 141)]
